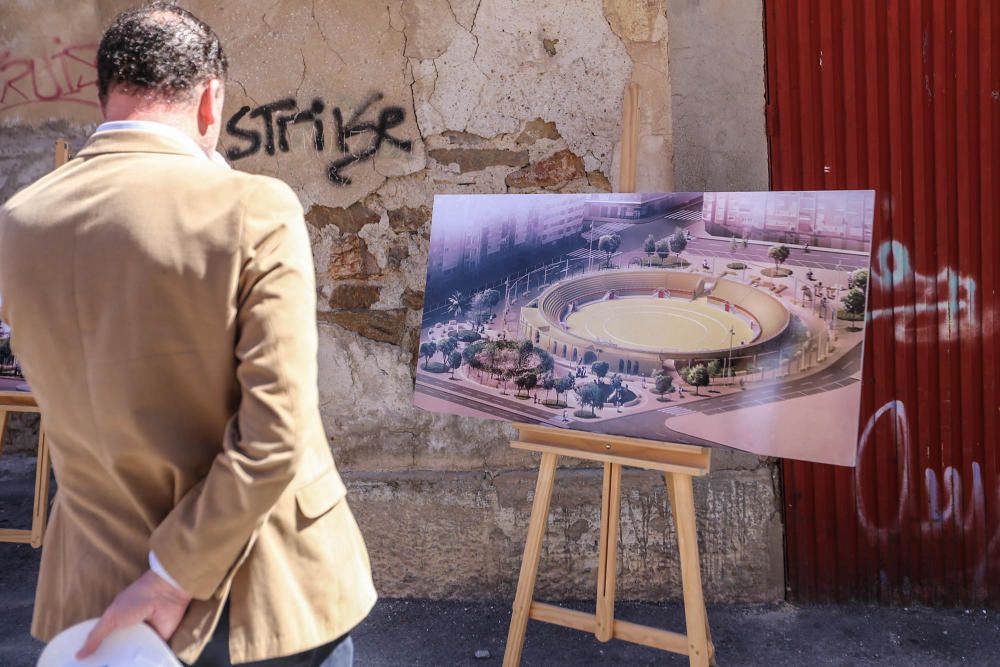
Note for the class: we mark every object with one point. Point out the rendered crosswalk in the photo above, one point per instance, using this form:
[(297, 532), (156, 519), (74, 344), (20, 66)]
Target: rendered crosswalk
[(676, 411), (606, 228), (586, 253), (686, 215)]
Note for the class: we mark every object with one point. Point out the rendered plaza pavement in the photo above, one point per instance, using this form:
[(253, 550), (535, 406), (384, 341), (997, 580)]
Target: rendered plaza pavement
[(714, 417)]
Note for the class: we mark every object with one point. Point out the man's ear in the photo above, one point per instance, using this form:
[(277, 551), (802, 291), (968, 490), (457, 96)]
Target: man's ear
[(210, 105)]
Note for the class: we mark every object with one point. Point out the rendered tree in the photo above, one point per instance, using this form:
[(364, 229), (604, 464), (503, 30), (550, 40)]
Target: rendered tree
[(489, 358), (478, 309), (591, 395), (428, 350), (714, 368), (679, 241), (854, 302), (663, 248), (483, 303), (600, 369), (562, 385), (446, 347), (454, 361), (697, 376), (526, 381), (524, 351), (650, 245), (548, 384), (608, 244), (545, 361), (470, 354), (664, 383), (778, 255), (458, 304), (859, 279)]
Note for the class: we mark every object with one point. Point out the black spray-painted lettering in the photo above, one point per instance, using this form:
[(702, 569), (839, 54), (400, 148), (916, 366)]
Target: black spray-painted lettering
[(313, 115), (233, 130), (389, 118), (377, 132)]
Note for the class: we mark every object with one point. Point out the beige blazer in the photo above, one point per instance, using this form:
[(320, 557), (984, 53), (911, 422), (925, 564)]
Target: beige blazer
[(163, 310)]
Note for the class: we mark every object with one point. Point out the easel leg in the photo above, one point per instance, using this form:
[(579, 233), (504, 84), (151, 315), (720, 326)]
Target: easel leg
[(529, 562), (607, 564), (43, 469), (682, 499), (4, 416)]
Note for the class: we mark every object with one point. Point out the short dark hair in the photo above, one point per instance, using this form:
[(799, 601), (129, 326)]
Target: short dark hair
[(158, 48)]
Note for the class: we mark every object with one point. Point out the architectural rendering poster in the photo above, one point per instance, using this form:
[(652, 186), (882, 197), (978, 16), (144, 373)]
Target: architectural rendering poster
[(715, 318), (10, 370)]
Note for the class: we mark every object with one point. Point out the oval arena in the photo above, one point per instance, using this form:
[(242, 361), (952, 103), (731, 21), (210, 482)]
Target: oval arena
[(639, 320)]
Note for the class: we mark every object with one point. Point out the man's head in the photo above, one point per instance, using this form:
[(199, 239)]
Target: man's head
[(160, 62)]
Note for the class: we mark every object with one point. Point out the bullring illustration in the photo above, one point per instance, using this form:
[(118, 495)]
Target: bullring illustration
[(724, 319)]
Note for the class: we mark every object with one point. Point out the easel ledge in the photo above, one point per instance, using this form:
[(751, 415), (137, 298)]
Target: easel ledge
[(691, 460)]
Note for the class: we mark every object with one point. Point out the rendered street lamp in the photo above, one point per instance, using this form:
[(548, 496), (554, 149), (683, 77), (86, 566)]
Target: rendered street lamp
[(729, 369), (590, 251)]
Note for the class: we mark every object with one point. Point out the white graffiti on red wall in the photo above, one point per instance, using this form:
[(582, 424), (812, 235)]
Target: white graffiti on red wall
[(949, 502), (65, 73), (943, 306), (928, 309)]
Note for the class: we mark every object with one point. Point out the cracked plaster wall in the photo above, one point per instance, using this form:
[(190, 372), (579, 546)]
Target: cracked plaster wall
[(716, 57), (466, 96)]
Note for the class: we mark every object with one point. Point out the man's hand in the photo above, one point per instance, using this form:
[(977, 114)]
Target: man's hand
[(149, 599)]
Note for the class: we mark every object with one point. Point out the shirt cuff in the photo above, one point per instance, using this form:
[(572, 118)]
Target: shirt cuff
[(154, 565)]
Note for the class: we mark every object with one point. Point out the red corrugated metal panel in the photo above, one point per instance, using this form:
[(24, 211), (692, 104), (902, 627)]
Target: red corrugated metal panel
[(902, 97)]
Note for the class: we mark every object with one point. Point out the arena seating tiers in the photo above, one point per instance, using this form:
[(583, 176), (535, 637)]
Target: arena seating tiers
[(560, 300)]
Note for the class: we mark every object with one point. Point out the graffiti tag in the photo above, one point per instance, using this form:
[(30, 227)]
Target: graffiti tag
[(946, 500), (945, 302), (277, 118), (66, 75)]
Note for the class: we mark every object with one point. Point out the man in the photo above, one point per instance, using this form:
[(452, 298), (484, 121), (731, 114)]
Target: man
[(163, 308)]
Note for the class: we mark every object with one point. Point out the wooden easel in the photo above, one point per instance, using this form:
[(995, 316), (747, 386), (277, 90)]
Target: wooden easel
[(679, 464), (20, 401)]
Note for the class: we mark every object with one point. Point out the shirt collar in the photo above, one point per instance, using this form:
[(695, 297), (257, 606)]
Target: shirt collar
[(156, 128)]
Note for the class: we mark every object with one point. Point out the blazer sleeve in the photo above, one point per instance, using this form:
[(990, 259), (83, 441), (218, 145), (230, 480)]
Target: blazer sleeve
[(213, 526)]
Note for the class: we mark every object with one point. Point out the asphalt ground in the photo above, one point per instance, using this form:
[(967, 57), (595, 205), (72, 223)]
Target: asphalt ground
[(434, 633)]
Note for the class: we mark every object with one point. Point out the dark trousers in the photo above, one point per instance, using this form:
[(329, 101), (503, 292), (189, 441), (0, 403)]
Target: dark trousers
[(338, 653)]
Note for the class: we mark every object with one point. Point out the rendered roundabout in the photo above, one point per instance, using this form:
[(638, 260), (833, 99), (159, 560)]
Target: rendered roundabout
[(642, 320)]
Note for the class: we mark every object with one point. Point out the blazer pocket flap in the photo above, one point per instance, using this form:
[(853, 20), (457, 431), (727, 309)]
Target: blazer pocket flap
[(320, 495)]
